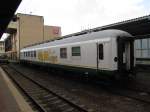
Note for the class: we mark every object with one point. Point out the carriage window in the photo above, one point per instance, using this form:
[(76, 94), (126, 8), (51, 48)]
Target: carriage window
[(76, 51), (63, 52), (34, 53), (101, 52), (30, 53)]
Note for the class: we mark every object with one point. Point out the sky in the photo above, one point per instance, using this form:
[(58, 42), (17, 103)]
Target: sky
[(77, 15)]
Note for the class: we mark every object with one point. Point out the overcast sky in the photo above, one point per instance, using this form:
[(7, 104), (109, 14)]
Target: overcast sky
[(76, 15)]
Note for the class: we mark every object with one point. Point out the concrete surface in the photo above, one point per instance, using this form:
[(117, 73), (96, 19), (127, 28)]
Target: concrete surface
[(10, 98)]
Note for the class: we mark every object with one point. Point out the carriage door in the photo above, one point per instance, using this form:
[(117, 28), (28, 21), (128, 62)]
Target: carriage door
[(100, 56), (125, 55)]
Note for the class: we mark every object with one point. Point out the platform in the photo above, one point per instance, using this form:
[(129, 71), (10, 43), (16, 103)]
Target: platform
[(10, 98)]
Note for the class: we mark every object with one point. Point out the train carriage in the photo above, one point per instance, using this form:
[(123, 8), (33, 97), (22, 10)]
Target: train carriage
[(107, 52)]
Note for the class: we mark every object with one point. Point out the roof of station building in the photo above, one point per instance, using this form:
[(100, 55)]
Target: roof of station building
[(136, 27), (7, 10)]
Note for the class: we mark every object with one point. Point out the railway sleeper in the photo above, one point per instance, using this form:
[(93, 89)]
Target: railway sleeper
[(63, 105), (57, 104), (38, 92), (47, 96), (52, 98), (35, 90), (54, 108), (69, 110)]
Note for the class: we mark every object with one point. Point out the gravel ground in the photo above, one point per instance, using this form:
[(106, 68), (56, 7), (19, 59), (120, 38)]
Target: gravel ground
[(91, 96), (142, 82)]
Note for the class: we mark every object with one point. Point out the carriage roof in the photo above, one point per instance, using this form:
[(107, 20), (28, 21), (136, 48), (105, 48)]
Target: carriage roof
[(85, 37)]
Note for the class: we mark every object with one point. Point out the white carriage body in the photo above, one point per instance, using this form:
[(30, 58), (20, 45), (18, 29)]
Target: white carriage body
[(50, 52)]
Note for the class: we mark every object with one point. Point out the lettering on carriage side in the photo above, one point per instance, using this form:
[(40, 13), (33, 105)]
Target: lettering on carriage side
[(52, 57), (45, 56), (40, 55)]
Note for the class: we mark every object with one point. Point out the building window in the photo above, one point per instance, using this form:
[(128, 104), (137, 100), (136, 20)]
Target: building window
[(76, 51), (101, 52), (142, 48), (63, 52)]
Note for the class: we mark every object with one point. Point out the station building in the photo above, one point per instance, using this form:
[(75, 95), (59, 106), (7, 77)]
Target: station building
[(142, 51), (24, 30)]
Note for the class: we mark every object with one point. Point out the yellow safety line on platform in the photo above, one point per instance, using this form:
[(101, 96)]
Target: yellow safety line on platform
[(23, 105)]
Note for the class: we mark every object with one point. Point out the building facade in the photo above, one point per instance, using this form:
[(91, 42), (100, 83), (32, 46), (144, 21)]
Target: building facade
[(51, 32), (142, 52), (24, 30)]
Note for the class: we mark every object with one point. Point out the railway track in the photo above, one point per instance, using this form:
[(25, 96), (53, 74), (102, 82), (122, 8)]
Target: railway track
[(42, 98), (131, 91), (135, 94)]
